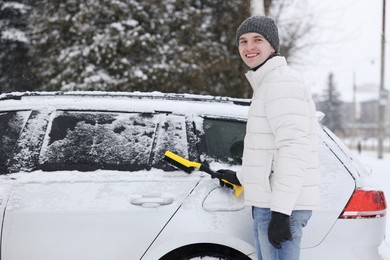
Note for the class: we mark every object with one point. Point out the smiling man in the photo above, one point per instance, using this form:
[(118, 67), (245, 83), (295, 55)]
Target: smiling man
[(255, 49), (280, 162)]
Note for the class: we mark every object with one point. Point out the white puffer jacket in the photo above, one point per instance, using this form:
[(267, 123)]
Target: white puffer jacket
[(280, 160)]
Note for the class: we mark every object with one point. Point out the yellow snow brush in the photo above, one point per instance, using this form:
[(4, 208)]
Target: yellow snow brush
[(187, 166)]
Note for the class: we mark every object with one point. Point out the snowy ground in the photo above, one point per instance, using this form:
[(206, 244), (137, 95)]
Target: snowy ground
[(381, 173)]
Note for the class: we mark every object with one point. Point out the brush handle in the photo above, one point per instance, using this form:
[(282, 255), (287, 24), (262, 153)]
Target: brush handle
[(213, 174), (238, 189)]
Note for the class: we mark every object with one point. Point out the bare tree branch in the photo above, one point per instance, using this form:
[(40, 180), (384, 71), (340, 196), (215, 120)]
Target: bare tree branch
[(295, 27)]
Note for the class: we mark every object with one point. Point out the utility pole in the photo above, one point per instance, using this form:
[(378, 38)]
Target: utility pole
[(382, 91), (354, 110)]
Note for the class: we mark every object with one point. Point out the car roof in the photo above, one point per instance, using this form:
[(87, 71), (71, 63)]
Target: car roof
[(126, 101)]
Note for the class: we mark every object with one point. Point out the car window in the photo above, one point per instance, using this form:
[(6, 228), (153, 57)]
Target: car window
[(116, 141), (173, 135), (11, 124), (356, 164), (224, 139)]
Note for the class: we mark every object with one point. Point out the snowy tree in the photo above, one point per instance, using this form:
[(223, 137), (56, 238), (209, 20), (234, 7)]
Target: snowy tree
[(126, 45), (15, 73), (331, 106)]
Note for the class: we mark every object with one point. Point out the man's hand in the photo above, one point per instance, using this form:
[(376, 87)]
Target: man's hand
[(279, 229), (228, 175)]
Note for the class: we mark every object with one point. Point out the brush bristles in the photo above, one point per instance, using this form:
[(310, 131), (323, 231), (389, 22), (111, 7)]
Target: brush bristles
[(178, 165)]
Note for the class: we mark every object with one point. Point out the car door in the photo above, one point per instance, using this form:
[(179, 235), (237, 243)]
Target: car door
[(100, 189)]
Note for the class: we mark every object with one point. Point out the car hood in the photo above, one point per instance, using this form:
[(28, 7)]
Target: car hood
[(98, 215)]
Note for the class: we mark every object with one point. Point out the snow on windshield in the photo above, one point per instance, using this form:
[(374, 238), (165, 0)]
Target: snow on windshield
[(118, 141), (85, 141), (28, 144), (97, 140), (10, 127)]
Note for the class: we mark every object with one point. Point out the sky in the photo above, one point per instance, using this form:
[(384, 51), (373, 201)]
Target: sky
[(348, 36)]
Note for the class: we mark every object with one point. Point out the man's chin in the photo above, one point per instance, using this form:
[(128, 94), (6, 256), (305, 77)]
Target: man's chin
[(253, 65)]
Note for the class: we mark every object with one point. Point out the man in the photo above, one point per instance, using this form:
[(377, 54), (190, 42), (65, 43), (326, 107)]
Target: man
[(280, 163)]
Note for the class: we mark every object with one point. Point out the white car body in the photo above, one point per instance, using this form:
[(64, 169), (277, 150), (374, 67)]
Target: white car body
[(147, 214)]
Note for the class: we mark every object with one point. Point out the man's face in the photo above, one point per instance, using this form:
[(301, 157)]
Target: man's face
[(254, 49)]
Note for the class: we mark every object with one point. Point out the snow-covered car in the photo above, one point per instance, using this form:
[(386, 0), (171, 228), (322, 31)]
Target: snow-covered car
[(83, 176)]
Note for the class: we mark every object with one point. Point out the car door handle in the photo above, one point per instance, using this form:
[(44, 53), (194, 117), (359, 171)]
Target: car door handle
[(151, 201)]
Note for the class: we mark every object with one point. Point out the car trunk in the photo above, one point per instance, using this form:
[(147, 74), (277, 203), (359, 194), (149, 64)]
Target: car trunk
[(337, 186)]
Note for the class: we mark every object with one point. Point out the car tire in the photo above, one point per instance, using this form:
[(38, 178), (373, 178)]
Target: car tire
[(200, 251)]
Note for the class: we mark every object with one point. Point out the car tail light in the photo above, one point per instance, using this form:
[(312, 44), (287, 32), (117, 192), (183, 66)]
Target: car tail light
[(365, 204)]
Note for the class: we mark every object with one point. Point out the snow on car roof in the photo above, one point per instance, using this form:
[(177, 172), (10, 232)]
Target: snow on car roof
[(126, 101)]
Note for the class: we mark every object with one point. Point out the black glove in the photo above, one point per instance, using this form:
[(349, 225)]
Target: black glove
[(279, 229), (228, 175)]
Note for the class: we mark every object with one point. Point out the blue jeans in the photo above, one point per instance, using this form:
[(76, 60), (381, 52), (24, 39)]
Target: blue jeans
[(290, 249)]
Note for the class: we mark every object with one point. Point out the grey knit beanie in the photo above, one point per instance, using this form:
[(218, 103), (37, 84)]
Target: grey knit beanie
[(263, 25)]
